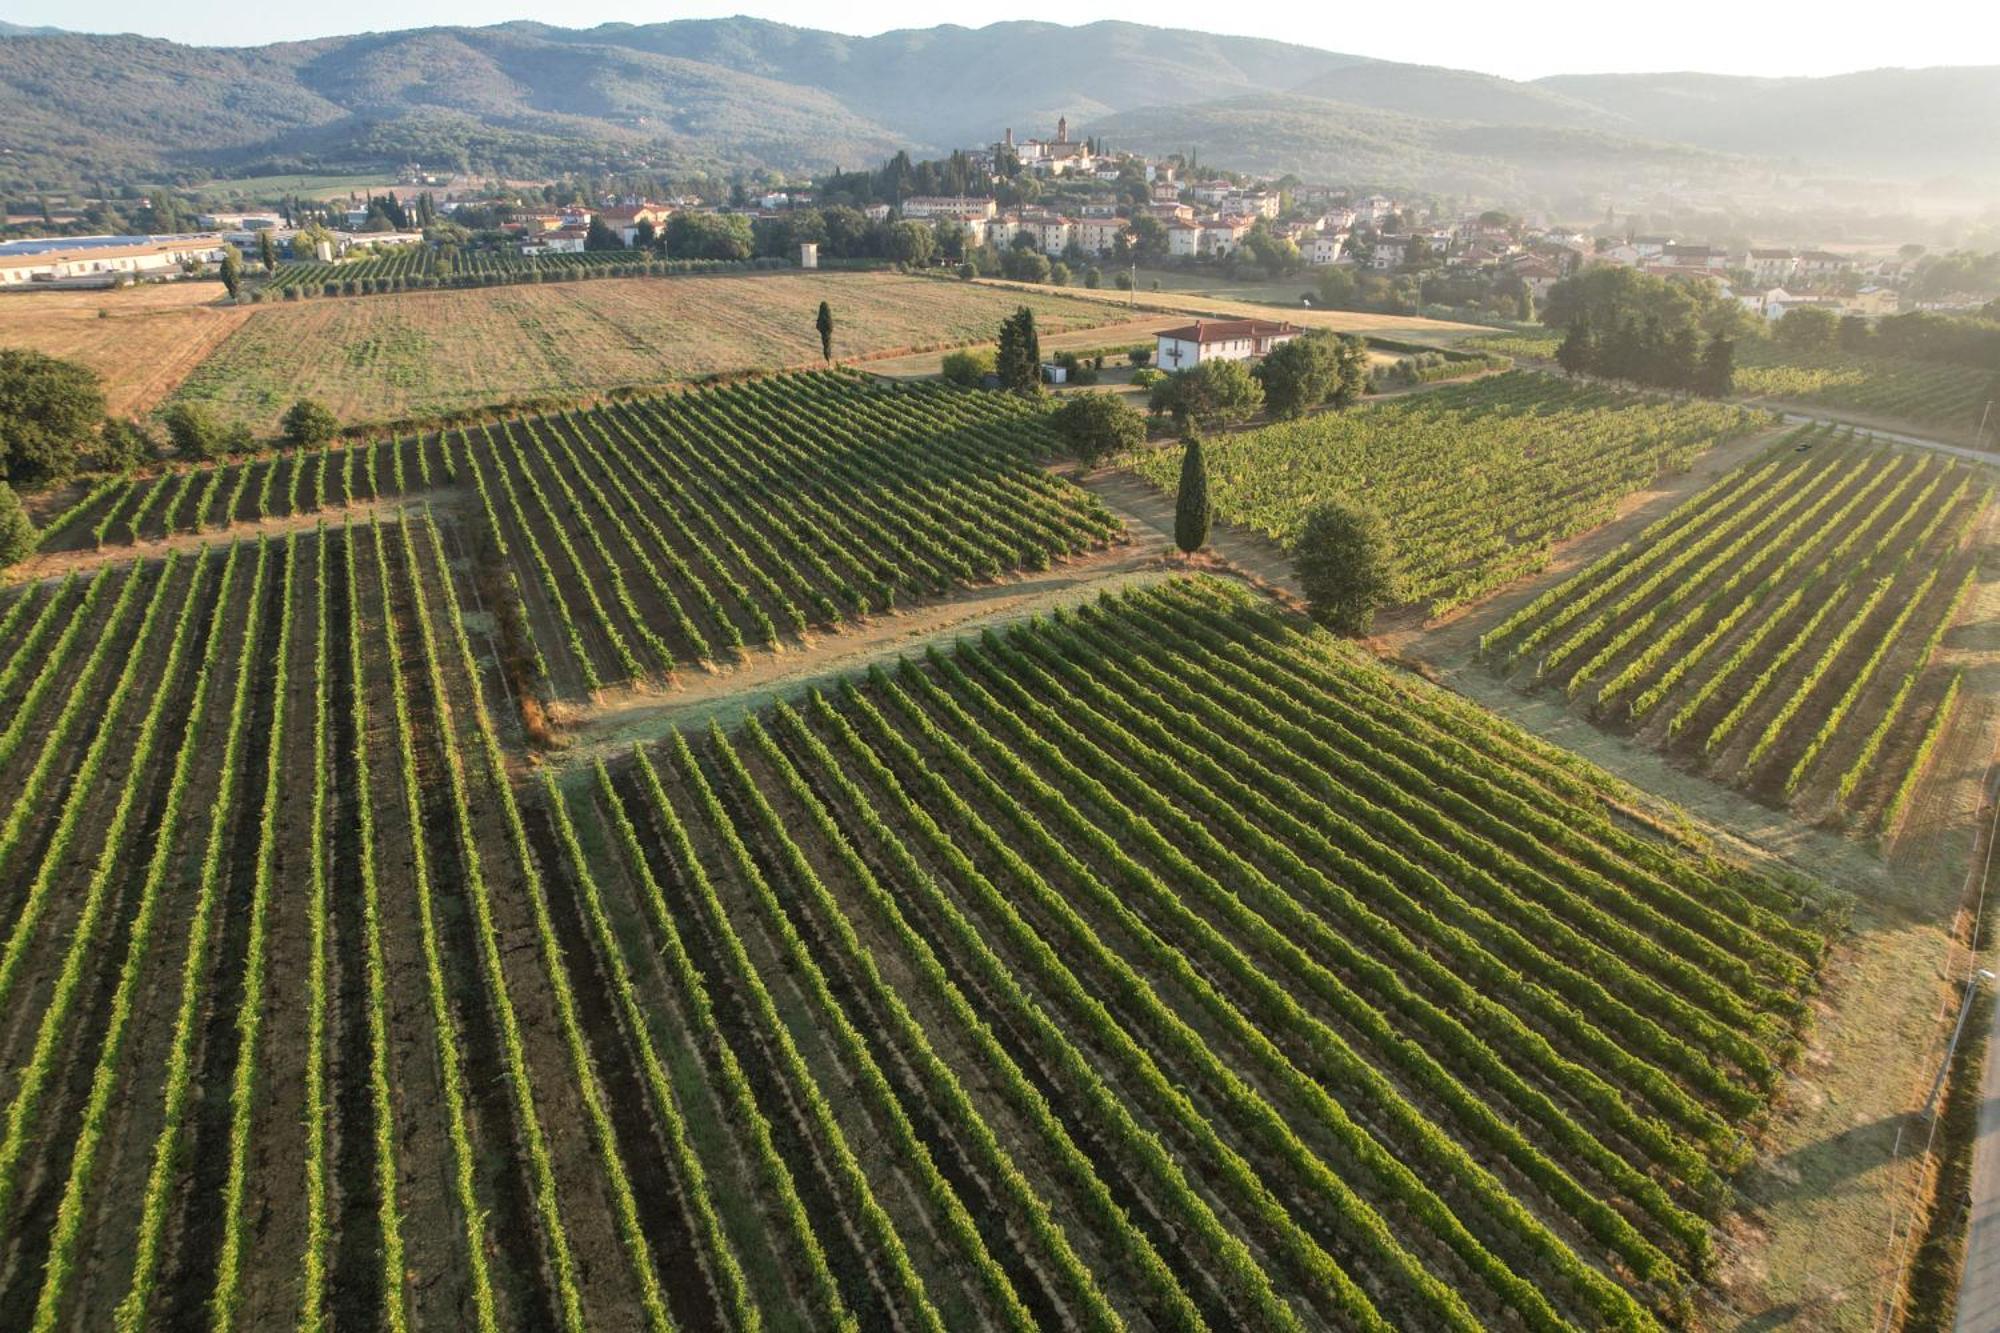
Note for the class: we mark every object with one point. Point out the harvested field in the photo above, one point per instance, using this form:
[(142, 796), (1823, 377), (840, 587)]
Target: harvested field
[(412, 354), (143, 340)]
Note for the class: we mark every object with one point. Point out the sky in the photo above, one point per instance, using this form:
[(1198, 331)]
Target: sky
[(1771, 37)]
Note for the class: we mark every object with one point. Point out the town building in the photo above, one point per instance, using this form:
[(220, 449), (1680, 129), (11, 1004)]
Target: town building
[(1704, 258), (1823, 265), (1324, 248), (1220, 236), (947, 205), (1049, 157), (1099, 236), (1770, 267), (1388, 253)]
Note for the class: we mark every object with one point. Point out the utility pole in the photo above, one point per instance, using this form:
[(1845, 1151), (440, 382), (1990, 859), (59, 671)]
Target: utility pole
[(1979, 440), (1972, 984)]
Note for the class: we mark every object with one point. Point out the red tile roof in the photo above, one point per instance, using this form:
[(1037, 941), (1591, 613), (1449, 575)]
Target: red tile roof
[(1229, 330)]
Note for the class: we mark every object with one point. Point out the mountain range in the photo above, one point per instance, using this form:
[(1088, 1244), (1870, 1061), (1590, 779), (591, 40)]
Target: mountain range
[(747, 92)]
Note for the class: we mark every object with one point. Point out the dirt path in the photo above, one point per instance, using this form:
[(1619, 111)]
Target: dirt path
[(622, 718), (52, 565)]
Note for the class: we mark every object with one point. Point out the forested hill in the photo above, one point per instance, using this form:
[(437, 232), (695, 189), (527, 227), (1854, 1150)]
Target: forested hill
[(747, 92)]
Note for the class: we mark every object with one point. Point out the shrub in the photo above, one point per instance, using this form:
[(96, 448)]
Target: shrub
[(310, 422), (194, 430), (969, 367), (1140, 356), (1076, 369), (123, 443), (1095, 425), (1345, 564)]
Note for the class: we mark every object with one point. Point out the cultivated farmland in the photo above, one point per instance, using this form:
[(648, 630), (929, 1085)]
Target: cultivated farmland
[(1477, 482), (423, 353), (1927, 393), (657, 534), (1161, 965), (1777, 629)]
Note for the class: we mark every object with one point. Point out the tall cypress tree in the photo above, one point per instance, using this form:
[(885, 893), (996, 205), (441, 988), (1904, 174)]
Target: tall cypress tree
[(1019, 362), (1578, 352), (825, 326), (1192, 508), (1718, 368)]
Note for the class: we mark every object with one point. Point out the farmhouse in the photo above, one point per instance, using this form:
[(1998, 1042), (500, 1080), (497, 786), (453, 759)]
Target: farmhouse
[(625, 221), (1220, 340)]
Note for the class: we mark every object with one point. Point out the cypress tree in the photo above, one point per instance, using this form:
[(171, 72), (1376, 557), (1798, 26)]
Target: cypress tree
[(1192, 508), (1578, 352), (1718, 368), (825, 326), (17, 534), (1019, 363)]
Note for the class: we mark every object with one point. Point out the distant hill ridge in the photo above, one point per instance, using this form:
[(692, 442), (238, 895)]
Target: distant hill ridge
[(749, 91)]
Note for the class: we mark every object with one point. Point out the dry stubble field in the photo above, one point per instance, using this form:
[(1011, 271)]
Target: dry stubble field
[(143, 340), (386, 357)]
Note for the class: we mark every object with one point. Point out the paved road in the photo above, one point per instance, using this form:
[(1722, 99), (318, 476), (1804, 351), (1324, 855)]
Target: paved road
[(1986, 456), (1979, 1286)]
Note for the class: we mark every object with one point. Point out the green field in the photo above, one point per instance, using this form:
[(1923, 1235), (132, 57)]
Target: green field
[(1924, 392)]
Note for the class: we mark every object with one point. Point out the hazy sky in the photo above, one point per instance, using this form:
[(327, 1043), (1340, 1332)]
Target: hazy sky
[(1719, 36)]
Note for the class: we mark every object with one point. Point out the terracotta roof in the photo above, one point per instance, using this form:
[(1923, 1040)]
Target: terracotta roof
[(1229, 330)]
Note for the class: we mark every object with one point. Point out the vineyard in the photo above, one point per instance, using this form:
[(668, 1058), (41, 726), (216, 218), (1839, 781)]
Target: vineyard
[(1778, 629), (655, 535), (1158, 965), (1927, 393), (1476, 482), (417, 267), (1921, 392)]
